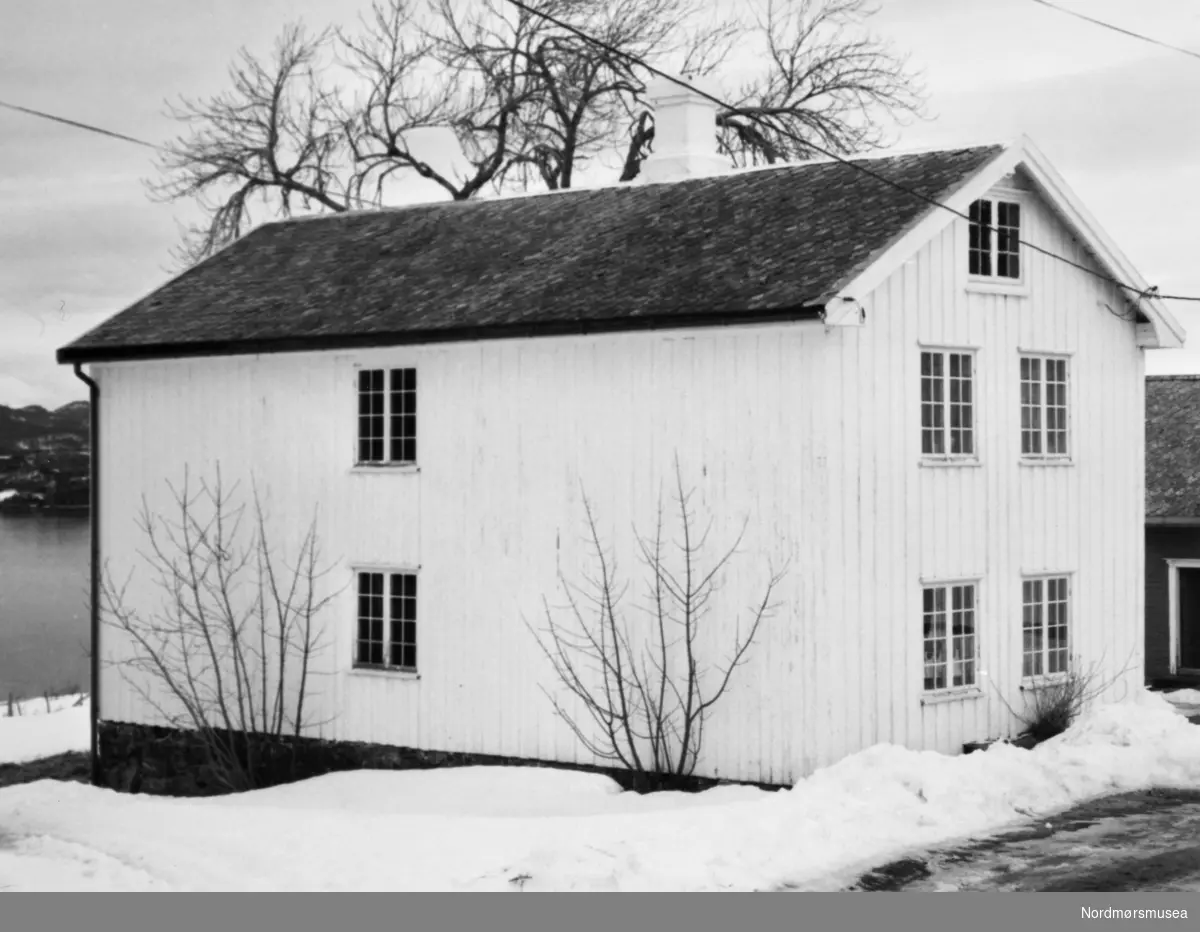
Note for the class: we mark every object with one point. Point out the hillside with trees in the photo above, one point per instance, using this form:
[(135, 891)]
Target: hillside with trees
[(44, 457)]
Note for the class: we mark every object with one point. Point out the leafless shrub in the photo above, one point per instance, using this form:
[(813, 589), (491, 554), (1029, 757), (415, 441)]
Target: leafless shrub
[(1052, 705), (645, 691), (228, 652)]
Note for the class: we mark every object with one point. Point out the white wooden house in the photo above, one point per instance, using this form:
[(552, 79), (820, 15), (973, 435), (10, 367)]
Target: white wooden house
[(937, 427)]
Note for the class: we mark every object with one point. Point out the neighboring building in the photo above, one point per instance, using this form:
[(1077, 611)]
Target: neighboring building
[(1173, 530), (940, 430)]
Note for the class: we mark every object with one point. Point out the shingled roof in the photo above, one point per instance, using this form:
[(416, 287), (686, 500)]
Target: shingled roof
[(747, 245), (1173, 446)]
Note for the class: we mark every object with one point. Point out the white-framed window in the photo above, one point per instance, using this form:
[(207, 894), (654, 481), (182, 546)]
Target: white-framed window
[(387, 417), (1045, 648), (949, 626), (994, 245), (947, 403), (1044, 414), (386, 636)]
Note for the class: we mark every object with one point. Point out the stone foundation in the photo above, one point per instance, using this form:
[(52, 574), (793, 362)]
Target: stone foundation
[(170, 762)]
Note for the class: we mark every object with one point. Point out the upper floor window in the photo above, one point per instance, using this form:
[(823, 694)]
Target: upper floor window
[(947, 403), (1043, 406), (387, 416), (995, 239)]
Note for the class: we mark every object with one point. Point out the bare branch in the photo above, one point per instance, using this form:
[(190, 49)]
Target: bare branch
[(644, 694), (338, 119), (212, 657), (824, 81)]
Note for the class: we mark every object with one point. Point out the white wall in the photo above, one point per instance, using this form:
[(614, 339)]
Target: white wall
[(812, 435)]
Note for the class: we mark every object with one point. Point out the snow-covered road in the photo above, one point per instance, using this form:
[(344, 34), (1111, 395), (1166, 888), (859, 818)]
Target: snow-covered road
[(1146, 841)]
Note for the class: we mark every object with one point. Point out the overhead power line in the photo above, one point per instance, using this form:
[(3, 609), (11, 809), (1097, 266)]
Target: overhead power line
[(121, 136), (85, 126), (633, 59), (1124, 32), (857, 166)]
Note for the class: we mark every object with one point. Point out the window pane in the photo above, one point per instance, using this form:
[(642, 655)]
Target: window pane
[(370, 618), (980, 238), (1057, 648), (1056, 406), (935, 636), (403, 628), (961, 433), (403, 415), (1008, 240), (932, 413), (1031, 405), (1031, 626), (371, 412)]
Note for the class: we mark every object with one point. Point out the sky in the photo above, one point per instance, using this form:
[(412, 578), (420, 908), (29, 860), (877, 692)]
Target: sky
[(80, 239)]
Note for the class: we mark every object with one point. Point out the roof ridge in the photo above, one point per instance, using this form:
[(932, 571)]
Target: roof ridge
[(733, 172)]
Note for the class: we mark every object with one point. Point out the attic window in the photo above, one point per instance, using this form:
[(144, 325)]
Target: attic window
[(995, 239)]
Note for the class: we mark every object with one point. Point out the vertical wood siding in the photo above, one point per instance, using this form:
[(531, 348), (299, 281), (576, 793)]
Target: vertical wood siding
[(812, 435)]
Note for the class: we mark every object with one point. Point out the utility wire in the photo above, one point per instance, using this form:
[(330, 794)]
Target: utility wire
[(633, 59), (1124, 32), (124, 138), (78, 125)]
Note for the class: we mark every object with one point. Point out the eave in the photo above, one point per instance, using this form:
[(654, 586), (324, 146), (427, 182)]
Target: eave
[(323, 342), (1172, 521)]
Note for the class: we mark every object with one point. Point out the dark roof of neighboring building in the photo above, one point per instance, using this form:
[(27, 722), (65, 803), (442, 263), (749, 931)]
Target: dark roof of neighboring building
[(1173, 446), (741, 246)]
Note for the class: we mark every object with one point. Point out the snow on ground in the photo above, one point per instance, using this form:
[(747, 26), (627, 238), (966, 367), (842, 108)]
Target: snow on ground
[(1187, 701), (487, 828), (33, 733)]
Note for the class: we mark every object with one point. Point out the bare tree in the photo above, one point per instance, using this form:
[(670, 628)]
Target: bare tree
[(332, 118), (460, 74), (825, 85), (643, 693), (274, 135), (228, 652)]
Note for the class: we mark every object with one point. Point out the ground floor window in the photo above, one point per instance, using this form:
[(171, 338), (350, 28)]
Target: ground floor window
[(1044, 626), (949, 635), (387, 620)]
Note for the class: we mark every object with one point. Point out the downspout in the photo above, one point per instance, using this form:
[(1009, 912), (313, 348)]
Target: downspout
[(94, 521)]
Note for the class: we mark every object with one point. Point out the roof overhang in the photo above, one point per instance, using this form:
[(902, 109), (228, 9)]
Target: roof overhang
[(350, 341), (1157, 328), (1172, 521)]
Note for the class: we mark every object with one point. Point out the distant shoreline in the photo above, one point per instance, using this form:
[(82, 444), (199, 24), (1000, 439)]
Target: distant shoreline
[(57, 510)]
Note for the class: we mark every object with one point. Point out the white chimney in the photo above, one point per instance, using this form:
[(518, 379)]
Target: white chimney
[(685, 132)]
